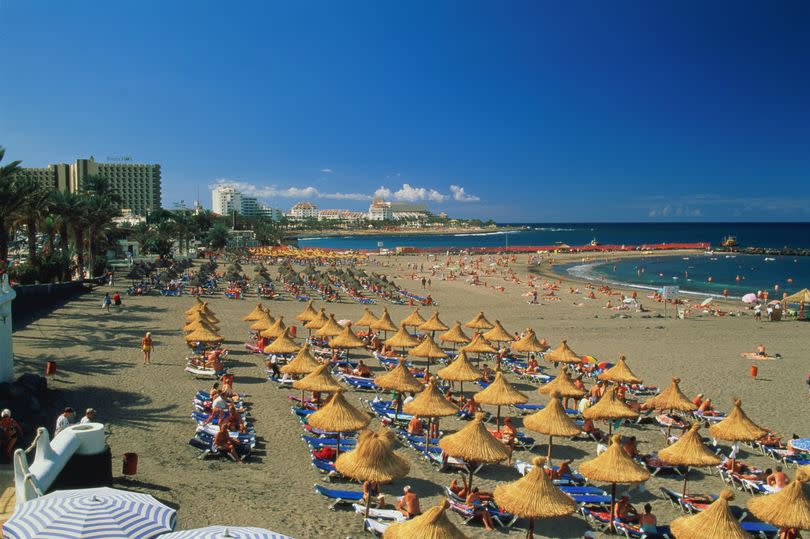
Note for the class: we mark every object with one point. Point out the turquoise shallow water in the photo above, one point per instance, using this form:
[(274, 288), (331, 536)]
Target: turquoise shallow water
[(704, 274)]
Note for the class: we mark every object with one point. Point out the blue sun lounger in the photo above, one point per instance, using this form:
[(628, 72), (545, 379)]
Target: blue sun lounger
[(339, 497)]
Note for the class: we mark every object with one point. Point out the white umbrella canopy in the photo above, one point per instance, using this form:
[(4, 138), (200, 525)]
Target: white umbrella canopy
[(225, 532), (90, 513)]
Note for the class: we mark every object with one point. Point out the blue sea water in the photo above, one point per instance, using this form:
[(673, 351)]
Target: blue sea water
[(691, 275)]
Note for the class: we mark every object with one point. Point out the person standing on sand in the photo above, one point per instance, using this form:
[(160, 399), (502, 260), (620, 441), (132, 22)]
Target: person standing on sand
[(105, 303), (146, 348)]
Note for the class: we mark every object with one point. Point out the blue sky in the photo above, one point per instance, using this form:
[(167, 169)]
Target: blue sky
[(517, 111)]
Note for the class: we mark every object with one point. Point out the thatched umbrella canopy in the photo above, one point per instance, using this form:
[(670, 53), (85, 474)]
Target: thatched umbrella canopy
[(479, 345), (474, 443), (265, 321), (788, 508), (308, 314), (428, 349), (384, 322), (689, 451), (432, 404), (367, 319), (498, 334), (205, 309), (432, 524), (737, 427), (460, 370), (284, 344), (319, 380), (715, 522), (330, 329), (671, 398), (303, 362), (402, 339), (346, 340), (197, 324), (200, 315), (338, 416), (553, 421), (528, 343), (479, 322), (534, 496), (399, 379), (433, 324), (276, 330), (196, 307), (563, 385), (255, 314), (563, 354), (203, 335), (500, 393), (414, 319), (620, 373), (455, 335), (318, 322), (614, 466), (610, 407)]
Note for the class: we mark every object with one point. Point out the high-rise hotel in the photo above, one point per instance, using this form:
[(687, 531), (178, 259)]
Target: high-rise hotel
[(137, 184)]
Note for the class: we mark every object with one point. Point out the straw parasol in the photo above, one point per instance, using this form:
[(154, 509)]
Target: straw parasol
[(534, 496), (264, 322), (373, 460), (197, 324), (338, 416), (500, 393), (384, 323), (200, 316), (330, 329), (620, 373), (319, 380), (788, 508), (689, 451), (206, 310), (255, 314), (551, 420), (799, 297), (203, 335), (479, 322), (460, 370), (276, 330), (563, 385), (474, 443), (196, 307), (303, 362), (367, 319), (430, 403), (433, 324), (715, 522), (401, 380), (563, 354), (614, 466), (432, 524), (737, 427), (317, 322), (498, 334), (609, 407), (284, 344), (402, 339), (528, 343), (671, 398), (454, 335), (309, 313), (479, 345), (346, 340), (414, 319), (428, 349)]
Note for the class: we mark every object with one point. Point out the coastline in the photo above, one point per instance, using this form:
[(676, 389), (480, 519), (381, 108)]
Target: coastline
[(404, 231)]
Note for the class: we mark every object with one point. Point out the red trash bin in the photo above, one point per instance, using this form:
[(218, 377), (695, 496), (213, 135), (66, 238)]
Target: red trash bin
[(130, 464), (50, 368), (293, 330), (753, 371)]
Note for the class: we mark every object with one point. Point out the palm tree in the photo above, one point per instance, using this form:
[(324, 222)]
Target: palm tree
[(99, 186), (100, 210), (61, 206), (31, 212), (73, 216), (10, 198)]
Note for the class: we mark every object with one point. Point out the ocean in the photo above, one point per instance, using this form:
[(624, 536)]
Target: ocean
[(702, 274)]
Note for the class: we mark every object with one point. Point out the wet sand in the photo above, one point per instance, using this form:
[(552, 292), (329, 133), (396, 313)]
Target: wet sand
[(147, 408)]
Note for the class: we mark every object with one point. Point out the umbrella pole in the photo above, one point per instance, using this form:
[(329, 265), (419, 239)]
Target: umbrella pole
[(669, 427), (337, 454), (610, 428), (685, 479), (427, 436), (530, 533), (368, 505), (498, 419), (612, 527), (550, 441)]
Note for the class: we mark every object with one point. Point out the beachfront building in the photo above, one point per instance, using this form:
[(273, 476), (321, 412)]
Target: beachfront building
[(380, 210), (401, 211), (342, 215), (138, 184), (304, 210), (227, 200)]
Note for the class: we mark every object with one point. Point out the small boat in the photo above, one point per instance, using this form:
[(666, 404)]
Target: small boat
[(769, 259), (729, 241), (594, 243)]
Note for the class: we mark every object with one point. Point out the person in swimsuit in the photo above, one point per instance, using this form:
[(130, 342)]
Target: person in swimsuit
[(146, 348)]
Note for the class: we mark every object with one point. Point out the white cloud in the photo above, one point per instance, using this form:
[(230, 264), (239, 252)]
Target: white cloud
[(461, 196), (383, 192), (290, 192), (409, 193), (326, 170)]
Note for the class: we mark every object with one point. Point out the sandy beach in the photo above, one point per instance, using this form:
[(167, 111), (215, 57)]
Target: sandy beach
[(147, 408)]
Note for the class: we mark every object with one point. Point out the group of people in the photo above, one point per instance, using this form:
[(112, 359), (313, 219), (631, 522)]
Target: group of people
[(65, 419)]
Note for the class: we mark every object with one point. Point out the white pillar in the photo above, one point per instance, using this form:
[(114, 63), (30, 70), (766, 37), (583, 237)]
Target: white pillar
[(7, 294)]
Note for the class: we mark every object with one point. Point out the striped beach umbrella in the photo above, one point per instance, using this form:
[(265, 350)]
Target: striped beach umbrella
[(225, 532), (93, 513)]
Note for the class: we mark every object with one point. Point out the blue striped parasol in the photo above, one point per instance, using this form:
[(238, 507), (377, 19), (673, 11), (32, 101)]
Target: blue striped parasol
[(225, 532), (93, 513)]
